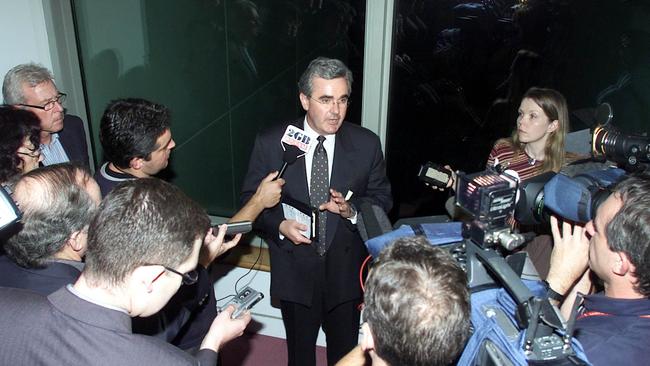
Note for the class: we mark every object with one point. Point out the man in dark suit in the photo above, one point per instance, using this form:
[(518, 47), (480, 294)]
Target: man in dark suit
[(143, 243), (317, 280), (63, 137)]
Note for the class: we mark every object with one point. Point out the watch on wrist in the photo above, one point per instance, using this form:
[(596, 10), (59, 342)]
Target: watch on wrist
[(552, 294)]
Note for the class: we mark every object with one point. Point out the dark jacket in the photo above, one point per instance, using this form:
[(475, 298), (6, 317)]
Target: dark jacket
[(359, 167), (184, 321), (73, 140), (64, 329), (615, 330)]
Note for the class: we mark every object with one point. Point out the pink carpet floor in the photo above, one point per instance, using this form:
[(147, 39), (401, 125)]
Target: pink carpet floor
[(259, 350)]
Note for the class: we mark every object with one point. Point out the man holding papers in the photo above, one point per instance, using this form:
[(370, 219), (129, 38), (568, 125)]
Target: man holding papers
[(315, 278)]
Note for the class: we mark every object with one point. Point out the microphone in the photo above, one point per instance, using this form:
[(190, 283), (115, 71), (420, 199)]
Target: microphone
[(295, 144), (290, 155)]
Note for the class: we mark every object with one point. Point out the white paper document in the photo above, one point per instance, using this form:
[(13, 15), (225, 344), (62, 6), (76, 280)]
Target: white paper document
[(292, 213)]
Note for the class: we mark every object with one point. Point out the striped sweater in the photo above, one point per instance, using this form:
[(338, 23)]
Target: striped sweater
[(520, 162)]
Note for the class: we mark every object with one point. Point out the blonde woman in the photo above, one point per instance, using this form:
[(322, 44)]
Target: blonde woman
[(537, 143), (536, 146)]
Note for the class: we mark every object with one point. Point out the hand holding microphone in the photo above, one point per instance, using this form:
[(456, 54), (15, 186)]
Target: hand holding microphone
[(269, 191)]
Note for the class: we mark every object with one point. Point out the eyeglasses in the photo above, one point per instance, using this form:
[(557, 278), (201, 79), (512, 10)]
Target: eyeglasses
[(189, 278), (331, 102), (33, 153), (60, 98)]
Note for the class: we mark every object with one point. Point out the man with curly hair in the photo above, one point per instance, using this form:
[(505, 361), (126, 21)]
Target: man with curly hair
[(136, 139)]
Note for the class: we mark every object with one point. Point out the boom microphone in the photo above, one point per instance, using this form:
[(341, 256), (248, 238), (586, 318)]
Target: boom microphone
[(295, 144)]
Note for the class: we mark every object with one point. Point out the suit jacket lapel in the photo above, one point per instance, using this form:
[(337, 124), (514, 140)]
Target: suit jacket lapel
[(298, 178), (296, 175)]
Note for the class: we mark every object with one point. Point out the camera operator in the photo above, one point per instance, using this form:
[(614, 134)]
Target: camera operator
[(615, 248)]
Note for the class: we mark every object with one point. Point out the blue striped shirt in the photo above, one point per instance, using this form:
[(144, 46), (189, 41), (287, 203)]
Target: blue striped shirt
[(53, 152)]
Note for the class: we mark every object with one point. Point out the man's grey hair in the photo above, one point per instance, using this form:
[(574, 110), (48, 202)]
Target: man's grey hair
[(325, 68), (417, 304), (30, 74), (57, 206)]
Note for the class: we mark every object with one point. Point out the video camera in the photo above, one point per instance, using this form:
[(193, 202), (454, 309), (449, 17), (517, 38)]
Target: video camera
[(573, 198), (607, 143), (581, 187), (488, 199), (491, 199)]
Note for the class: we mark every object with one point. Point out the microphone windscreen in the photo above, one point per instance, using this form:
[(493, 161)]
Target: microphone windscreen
[(291, 154), (568, 198)]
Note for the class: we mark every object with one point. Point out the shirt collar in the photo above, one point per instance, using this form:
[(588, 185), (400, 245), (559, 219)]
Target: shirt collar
[(329, 139), (114, 175), (93, 301), (54, 138), (600, 302)]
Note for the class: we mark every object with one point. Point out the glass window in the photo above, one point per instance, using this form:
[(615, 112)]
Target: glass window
[(226, 69), (460, 69)]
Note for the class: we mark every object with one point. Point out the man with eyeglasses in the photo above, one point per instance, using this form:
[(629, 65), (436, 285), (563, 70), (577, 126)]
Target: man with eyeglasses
[(137, 142), (46, 251), (143, 242), (317, 280), (63, 138)]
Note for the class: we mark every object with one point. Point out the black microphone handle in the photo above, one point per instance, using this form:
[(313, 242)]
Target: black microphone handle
[(284, 167)]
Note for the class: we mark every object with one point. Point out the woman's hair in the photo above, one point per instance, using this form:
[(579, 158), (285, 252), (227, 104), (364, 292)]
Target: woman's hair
[(555, 107), (15, 126)]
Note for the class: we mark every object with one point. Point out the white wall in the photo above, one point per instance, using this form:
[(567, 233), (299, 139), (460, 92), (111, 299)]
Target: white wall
[(23, 35)]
